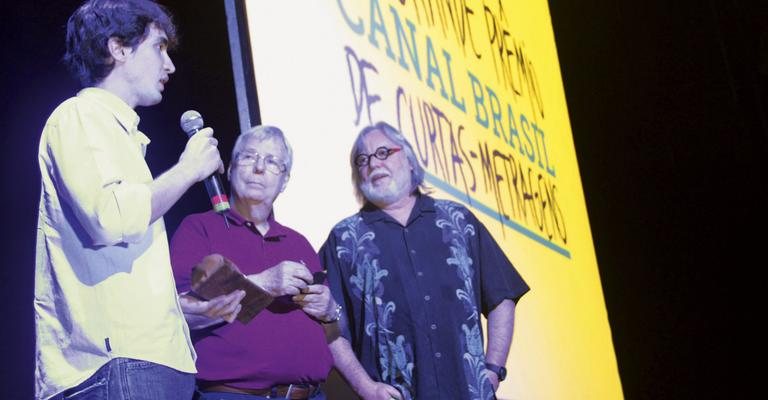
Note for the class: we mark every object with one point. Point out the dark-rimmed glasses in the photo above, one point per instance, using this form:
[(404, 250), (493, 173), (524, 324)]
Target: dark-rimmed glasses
[(382, 153), (271, 163)]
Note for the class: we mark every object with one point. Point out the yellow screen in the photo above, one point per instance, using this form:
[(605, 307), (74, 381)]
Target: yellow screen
[(475, 86)]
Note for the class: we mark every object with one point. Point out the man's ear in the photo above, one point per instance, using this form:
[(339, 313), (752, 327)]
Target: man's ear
[(117, 50)]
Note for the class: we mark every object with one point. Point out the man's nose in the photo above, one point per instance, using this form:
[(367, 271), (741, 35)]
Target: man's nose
[(374, 162), (259, 166), (169, 67)]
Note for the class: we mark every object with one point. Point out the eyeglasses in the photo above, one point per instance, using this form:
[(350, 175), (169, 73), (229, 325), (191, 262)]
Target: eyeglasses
[(382, 153), (271, 163)]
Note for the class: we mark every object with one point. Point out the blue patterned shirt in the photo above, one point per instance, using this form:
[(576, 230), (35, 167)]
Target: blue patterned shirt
[(412, 296)]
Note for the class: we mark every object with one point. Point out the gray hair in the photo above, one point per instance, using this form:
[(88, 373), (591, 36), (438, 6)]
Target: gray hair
[(417, 172), (262, 133)]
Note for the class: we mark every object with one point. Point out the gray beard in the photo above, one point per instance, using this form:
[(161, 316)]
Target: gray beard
[(383, 196), (380, 196)]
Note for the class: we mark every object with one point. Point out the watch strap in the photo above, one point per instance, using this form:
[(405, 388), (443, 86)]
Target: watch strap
[(501, 372)]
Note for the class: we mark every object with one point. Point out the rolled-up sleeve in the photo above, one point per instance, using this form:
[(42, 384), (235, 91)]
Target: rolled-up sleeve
[(133, 203), (99, 174)]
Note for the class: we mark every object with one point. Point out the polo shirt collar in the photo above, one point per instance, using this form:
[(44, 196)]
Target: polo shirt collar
[(276, 230)]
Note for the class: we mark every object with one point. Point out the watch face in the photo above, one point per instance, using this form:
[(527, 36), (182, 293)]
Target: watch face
[(502, 373)]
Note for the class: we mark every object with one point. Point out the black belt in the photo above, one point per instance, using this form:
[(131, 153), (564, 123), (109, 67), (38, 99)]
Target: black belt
[(299, 391)]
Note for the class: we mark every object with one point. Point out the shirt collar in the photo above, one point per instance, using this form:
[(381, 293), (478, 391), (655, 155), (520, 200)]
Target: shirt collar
[(424, 204), (276, 230), (123, 113)]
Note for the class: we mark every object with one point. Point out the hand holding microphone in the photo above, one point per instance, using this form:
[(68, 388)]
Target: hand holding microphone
[(202, 156)]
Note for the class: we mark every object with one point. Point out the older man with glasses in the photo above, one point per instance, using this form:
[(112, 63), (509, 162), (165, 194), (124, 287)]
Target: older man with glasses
[(282, 352), (413, 274)]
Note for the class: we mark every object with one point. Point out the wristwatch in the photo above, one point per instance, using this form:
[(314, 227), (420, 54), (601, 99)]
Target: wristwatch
[(501, 372), (335, 317)]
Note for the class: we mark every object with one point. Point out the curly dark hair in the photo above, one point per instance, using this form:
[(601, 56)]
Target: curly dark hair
[(96, 21)]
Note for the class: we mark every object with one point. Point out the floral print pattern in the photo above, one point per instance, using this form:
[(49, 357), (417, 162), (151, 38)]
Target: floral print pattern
[(456, 234), (395, 353)]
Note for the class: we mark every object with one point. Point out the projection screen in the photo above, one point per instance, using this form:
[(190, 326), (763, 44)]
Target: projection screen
[(475, 86)]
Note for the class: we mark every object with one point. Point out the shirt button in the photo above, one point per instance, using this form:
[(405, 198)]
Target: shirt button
[(433, 326), (438, 355), (420, 273), (413, 251), (406, 230), (427, 297)]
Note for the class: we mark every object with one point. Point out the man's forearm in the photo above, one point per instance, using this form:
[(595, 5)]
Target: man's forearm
[(332, 331), (346, 362), (501, 323), (168, 188)]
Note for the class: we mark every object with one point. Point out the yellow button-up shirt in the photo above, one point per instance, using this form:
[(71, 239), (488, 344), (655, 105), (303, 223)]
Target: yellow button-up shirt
[(103, 281)]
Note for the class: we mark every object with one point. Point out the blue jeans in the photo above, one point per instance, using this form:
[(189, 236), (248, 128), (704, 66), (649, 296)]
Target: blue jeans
[(129, 379), (235, 396)]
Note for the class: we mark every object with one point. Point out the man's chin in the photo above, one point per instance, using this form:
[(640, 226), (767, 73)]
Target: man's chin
[(149, 101), (380, 197)]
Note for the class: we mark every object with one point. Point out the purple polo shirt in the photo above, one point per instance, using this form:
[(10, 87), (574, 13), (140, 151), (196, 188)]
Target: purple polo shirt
[(282, 345)]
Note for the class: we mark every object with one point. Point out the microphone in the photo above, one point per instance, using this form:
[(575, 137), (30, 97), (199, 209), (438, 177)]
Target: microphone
[(191, 122)]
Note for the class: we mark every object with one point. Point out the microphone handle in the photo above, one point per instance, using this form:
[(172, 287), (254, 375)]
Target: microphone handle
[(215, 189), (216, 192)]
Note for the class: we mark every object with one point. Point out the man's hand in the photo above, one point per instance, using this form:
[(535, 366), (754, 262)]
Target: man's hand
[(202, 313), (316, 300), (201, 156), (287, 277), (380, 391), (198, 161)]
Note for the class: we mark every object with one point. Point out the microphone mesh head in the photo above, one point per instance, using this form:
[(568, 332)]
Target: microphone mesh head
[(191, 121)]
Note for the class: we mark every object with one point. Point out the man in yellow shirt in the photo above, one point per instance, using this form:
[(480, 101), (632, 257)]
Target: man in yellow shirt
[(108, 322)]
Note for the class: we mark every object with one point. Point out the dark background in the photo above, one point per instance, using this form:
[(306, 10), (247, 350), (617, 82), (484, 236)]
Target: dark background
[(667, 102)]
